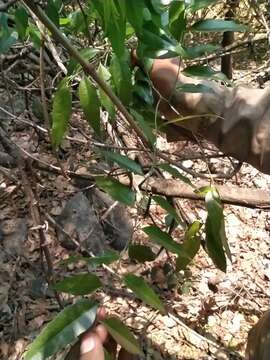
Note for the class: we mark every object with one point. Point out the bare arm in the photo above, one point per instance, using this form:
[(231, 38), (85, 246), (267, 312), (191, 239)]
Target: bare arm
[(240, 121)]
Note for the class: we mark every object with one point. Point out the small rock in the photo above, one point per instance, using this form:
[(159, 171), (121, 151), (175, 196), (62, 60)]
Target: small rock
[(188, 164), (79, 222)]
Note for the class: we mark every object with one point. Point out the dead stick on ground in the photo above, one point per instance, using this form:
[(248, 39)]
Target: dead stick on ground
[(229, 194), (18, 154), (34, 209)]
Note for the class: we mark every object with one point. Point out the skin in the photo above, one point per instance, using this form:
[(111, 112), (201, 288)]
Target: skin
[(222, 116), (94, 341), (258, 345)]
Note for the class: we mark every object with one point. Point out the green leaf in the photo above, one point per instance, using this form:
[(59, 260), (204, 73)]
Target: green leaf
[(107, 258), (157, 12), (122, 335), (116, 190), (7, 41), (61, 112), (200, 50), (163, 239), (135, 10), (121, 76), (158, 6), (141, 253), (73, 259), (143, 291), (52, 12), (64, 21), (144, 93), (123, 161), (168, 207), (106, 102), (175, 173), (144, 126), (7, 36), (204, 72), (191, 245), (215, 211), (88, 54), (142, 90), (158, 41), (177, 18), (58, 4), (115, 25), (202, 191), (155, 42), (194, 88), (21, 21), (216, 241), (81, 284), (63, 330), (214, 247), (77, 22), (217, 25), (35, 36), (90, 103), (195, 5)]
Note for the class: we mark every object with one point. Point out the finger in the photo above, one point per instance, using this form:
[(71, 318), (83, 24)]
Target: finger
[(91, 347), (102, 333), (101, 313)]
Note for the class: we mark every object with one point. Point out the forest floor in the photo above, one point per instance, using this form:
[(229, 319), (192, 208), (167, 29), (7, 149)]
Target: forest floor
[(210, 313)]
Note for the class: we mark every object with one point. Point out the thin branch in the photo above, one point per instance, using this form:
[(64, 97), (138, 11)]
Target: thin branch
[(44, 102), (85, 22), (17, 154), (228, 49), (87, 67)]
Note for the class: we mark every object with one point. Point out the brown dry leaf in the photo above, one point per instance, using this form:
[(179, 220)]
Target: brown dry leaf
[(5, 284)]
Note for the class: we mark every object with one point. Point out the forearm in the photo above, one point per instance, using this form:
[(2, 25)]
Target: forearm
[(236, 120)]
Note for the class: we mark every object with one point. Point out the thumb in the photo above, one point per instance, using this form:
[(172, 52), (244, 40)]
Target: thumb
[(91, 347)]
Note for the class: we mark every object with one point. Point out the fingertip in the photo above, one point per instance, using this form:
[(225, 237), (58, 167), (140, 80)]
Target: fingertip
[(101, 313)]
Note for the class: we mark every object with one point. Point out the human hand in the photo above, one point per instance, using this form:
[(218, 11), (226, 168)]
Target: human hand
[(94, 341)]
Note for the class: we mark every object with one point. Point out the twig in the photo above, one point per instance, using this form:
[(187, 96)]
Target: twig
[(34, 210), (85, 22), (42, 87), (17, 154), (49, 42), (24, 121), (259, 15), (201, 337), (87, 67), (10, 98), (44, 104), (228, 49)]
